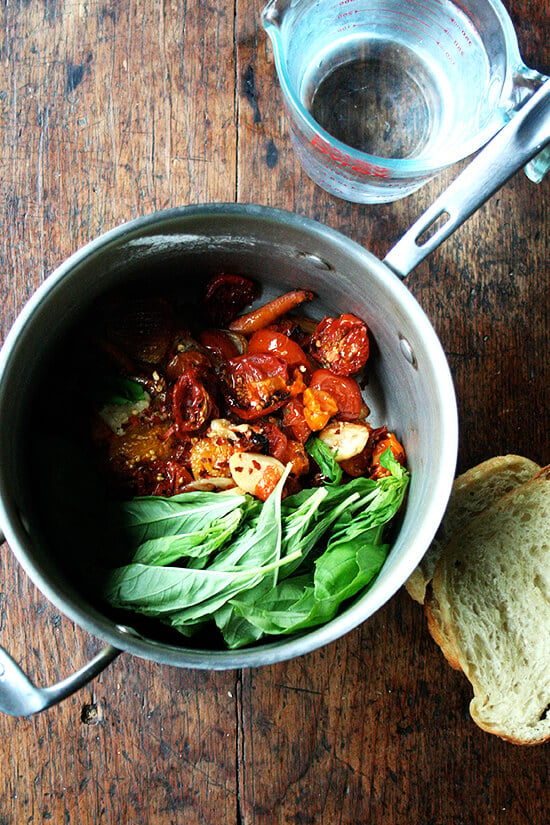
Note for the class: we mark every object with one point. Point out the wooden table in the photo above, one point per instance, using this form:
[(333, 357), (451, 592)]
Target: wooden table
[(115, 109)]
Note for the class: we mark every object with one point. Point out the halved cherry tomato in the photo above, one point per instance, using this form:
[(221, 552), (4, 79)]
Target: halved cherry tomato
[(386, 440), (296, 455), (170, 478), (189, 359), (343, 389), (191, 403), (319, 407), (297, 328), (341, 344), (258, 384), (227, 295), (276, 438), (298, 384), (268, 340), (294, 420), (358, 465), (219, 342), (267, 483), (271, 341)]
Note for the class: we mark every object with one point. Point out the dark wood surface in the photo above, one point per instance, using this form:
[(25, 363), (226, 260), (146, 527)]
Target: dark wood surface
[(112, 110)]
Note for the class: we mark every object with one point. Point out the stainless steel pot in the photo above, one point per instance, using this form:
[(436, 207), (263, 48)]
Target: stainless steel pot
[(410, 387)]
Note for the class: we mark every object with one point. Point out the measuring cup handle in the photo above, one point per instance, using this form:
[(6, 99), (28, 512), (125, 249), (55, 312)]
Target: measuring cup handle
[(527, 133)]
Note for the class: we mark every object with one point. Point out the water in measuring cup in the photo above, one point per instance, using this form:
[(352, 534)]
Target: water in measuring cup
[(378, 96)]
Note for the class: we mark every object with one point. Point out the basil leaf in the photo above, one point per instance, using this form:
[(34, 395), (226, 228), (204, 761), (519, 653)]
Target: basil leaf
[(155, 591), (325, 460), (276, 611), (388, 461), (347, 565), (308, 537), (151, 517), (196, 547), (120, 390), (299, 603), (235, 629)]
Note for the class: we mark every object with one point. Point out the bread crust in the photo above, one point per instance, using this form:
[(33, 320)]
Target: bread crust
[(437, 629)]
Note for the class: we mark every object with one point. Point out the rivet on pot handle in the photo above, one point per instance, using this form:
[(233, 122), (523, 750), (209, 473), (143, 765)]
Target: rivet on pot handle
[(18, 695), (527, 133)]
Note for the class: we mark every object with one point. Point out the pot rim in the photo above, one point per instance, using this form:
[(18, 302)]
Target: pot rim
[(286, 648)]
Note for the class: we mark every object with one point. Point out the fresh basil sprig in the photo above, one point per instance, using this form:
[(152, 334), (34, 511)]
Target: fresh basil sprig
[(255, 569)]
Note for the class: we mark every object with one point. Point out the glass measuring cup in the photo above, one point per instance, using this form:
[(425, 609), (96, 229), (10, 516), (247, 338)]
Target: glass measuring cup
[(383, 94)]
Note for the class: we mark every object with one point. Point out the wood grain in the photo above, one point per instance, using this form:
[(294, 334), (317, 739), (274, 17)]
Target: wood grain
[(115, 109)]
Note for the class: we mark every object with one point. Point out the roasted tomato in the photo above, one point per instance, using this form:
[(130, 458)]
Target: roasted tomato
[(319, 407), (209, 457), (298, 328), (258, 385), (296, 455), (383, 440), (168, 478), (142, 443), (220, 343), (358, 465), (341, 344), (182, 361), (294, 420), (227, 295), (191, 403), (344, 390), (267, 340), (276, 439)]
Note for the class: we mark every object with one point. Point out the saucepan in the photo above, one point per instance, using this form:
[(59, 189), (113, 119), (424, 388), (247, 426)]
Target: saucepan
[(410, 385)]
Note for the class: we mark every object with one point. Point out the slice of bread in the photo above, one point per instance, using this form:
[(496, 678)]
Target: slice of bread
[(471, 493), (491, 611)]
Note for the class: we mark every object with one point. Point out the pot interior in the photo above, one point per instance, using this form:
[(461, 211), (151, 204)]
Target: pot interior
[(409, 388)]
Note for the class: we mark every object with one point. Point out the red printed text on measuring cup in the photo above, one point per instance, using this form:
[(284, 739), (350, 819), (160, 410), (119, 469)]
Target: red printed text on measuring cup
[(361, 167)]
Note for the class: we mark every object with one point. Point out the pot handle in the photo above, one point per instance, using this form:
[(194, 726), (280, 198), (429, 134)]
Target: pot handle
[(20, 697), (526, 134)]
